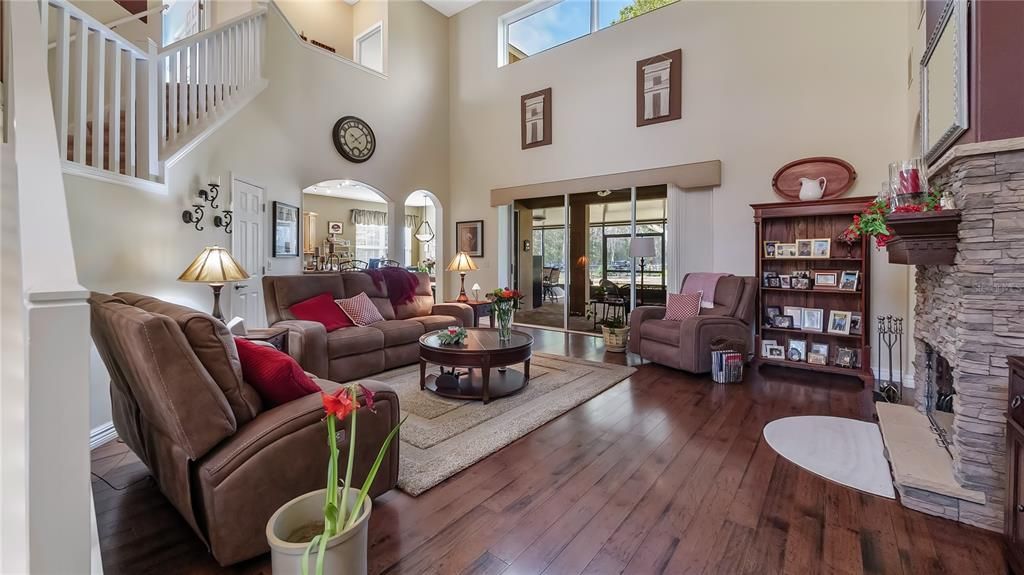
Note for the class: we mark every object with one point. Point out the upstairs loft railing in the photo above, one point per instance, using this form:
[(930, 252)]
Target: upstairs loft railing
[(123, 109)]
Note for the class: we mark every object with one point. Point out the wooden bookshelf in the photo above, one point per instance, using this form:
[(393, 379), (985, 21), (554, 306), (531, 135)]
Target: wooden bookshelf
[(786, 222)]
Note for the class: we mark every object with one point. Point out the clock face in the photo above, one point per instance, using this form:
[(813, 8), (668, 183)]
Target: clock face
[(354, 139)]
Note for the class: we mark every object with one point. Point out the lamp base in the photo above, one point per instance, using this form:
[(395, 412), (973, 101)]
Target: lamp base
[(216, 301), (463, 298)]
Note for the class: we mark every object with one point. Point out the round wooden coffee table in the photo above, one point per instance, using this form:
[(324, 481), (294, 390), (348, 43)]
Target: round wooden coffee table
[(484, 356)]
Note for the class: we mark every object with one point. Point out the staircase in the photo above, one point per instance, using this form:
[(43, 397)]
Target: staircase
[(155, 103)]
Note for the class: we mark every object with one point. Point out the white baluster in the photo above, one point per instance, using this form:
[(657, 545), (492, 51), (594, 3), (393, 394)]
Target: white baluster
[(152, 111), (81, 87), (129, 114), (182, 88), (172, 97), (193, 84), (114, 139), (98, 80), (59, 80)]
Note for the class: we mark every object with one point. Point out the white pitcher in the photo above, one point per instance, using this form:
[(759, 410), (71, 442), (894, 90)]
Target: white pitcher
[(812, 189)]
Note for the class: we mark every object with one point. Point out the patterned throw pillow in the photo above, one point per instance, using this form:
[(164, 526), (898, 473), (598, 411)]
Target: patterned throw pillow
[(682, 306), (361, 309)]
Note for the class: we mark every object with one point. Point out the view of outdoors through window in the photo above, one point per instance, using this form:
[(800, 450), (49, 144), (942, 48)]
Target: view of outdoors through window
[(567, 20)]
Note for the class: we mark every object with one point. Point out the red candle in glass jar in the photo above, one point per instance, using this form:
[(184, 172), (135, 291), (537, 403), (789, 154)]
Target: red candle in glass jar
[(910, 181)]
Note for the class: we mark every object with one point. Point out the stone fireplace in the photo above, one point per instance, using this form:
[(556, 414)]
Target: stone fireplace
[(969, 317)]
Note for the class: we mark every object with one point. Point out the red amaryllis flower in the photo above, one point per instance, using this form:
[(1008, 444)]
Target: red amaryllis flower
[(338, 404), (367, 395)]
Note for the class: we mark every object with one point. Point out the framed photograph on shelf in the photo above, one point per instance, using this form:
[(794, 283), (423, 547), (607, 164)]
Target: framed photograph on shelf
[(783, 321), (769, 249), (285, 240), (774, 282), (826, 280), (845, 357), (821, 348), (801, 283), (785, 281), (796, 350), (813, 319), (785, 250), (797, 313), (821, 248), (765, 276), (817, 358), (776, 352), (839, 322), (804, 248), (767, 343), (855, 324), (770, 313), (848, 281), (469, 237)]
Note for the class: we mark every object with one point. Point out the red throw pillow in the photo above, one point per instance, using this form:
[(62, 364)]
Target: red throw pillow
[(682, 306), (275, 375), (321, 309)]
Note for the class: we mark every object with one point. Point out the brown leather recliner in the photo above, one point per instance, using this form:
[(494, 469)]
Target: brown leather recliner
[(223, 459), (354, 352), (686, 344)]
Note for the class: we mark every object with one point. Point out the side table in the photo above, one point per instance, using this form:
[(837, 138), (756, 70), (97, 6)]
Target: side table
[(481, 308), (275, 336)]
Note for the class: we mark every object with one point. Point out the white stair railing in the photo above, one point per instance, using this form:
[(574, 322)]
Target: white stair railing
[(122, 109), (204, 75), (102, 87)]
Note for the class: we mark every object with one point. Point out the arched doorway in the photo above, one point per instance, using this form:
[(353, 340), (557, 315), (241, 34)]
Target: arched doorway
[(348, 224), (423, 237)]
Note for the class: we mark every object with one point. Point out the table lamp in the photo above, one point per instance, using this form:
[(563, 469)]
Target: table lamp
[(214, 266), (641, 248), (476, 292), (462, 263)]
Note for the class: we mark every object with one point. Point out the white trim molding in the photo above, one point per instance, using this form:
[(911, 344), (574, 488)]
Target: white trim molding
[(102, 435)]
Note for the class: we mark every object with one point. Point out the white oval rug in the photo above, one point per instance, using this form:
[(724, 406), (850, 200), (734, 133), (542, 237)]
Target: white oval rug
[(846, 451)]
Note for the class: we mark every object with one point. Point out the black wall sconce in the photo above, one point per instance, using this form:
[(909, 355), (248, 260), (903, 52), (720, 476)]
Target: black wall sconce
[(195, 215)]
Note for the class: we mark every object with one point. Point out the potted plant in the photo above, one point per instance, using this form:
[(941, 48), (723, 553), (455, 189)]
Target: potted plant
[(615, 333), (328, 527)]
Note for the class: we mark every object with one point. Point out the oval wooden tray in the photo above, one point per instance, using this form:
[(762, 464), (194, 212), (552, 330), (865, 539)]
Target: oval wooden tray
[(839, 174)]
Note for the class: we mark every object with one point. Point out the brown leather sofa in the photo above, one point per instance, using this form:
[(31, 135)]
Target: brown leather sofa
[(225, 461), (354, 352), (686, 344)]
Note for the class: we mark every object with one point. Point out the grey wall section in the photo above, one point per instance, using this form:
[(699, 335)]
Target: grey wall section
[(126, 239)]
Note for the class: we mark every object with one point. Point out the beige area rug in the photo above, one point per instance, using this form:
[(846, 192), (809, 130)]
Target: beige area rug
[(444, 436)]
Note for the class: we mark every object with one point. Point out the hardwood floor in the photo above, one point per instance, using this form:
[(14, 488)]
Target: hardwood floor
[(662, 473)]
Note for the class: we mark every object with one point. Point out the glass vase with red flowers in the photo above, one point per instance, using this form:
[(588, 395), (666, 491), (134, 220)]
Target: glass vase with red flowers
[(504, 302), (874, 220)]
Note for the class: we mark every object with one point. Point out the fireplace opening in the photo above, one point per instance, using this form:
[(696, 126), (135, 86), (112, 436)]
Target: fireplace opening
[(939, 394)]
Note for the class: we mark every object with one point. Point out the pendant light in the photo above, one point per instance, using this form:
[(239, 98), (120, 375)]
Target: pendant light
[(424, 232)]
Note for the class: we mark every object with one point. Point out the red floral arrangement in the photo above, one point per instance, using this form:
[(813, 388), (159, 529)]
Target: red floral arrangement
[(873, 221)]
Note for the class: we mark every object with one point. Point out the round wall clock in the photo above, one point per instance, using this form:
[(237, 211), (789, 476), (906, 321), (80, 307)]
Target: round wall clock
[(353, 139)]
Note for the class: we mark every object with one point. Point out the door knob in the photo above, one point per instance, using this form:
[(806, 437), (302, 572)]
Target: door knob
[(1020, 508), (241, 286), (1015, 403)]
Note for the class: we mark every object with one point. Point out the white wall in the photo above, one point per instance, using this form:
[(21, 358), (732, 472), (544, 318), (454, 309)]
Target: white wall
[(126, 239), (326, 21), (764, 83)]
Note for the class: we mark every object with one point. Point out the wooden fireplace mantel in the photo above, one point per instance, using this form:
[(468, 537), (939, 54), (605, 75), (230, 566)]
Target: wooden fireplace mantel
[(923, 238)]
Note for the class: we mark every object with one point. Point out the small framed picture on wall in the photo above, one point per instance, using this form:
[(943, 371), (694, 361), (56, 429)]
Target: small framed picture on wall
[(659, 88), (335, 227), (285, 231), (535, 122), (469, 237)]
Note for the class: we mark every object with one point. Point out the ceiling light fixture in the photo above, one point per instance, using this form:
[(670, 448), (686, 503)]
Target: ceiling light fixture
[(424, 232), (604, 193)]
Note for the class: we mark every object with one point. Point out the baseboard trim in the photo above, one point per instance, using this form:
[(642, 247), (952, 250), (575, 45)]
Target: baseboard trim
[(883, 374), (102, 435)]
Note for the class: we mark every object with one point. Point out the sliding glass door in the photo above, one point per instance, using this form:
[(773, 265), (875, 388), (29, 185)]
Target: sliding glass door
[(574, 256)]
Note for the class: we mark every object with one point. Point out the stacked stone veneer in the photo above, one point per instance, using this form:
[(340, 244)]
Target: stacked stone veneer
[(972, 313)]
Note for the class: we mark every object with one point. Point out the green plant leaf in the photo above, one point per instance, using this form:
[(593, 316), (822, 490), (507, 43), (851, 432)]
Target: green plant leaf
[(372, 474), (305, 555)]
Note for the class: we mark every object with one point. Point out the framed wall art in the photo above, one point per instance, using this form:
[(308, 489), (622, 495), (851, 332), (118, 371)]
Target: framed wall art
[(469, 237), (535, 119), (659, 88), (285, 231)]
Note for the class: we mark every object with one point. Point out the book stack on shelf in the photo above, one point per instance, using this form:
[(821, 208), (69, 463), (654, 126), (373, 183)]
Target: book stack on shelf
[(813, 302)]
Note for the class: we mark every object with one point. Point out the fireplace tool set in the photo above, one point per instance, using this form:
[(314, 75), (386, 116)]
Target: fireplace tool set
[(890, 342)]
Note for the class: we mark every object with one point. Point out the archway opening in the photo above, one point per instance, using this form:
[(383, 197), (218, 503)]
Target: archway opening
[(345, 225), (422, 235)]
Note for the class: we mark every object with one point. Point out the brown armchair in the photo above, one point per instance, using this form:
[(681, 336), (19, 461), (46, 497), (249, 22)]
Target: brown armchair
[(225, 461), (686, 344)]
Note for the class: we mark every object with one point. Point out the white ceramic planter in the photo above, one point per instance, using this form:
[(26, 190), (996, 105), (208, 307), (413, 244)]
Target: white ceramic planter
[(346, 551)]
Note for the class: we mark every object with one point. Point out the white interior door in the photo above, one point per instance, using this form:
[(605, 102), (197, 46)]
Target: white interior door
[(247, 202)]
